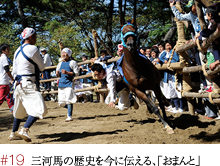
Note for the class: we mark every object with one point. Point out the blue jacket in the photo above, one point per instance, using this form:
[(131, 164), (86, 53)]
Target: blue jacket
[(85, 80), (65, 79), (174, 59), (188, 17), (101, 59)]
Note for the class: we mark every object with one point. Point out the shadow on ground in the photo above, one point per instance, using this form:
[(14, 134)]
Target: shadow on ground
[(64, 137), (185, 121)]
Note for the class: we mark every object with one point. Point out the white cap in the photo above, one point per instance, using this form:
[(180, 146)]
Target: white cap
[(43, 49), (68, 51), (27, 32)]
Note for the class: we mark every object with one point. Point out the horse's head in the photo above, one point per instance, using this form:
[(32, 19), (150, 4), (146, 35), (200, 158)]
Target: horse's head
[(129, 36)]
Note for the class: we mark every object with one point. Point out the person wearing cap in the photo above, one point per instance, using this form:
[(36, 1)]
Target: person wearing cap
[(27, 64), (5, 74), (46, 73), (66, 70), (115, 85)]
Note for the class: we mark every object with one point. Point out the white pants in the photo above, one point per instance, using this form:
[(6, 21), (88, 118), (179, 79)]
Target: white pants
[(78, 85), (169, 90), (202, 57), (87, 85), (66, 96), (123, 99), (28, 101)]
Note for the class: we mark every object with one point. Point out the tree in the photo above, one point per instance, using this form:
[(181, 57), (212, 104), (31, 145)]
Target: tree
[(7, 35), (73, 21)]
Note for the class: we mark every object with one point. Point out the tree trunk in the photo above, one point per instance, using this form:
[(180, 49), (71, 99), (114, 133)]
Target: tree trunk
[(21, 14), (122, 12), (200, 15), (135, 12), (109, 26), (170, 34)]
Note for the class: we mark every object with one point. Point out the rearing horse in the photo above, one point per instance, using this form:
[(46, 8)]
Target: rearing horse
[(141, 74)]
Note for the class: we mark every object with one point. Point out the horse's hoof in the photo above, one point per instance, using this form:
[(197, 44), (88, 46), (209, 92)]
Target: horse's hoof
[(169, 130)]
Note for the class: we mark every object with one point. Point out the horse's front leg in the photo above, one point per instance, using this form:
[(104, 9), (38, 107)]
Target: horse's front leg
[(154, 108), (158, 94)]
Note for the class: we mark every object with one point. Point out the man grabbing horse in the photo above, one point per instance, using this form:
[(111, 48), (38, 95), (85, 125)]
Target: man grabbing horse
[(115, 85)]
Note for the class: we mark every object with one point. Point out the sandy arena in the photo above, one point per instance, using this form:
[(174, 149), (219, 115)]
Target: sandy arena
[(96, 123)]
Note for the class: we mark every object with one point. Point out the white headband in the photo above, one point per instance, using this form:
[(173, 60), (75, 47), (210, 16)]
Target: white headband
[(68, 51), (27, 32)]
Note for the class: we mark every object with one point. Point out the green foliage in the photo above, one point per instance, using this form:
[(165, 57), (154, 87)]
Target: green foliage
[(73, 22), (157, 33), (8, 35), (68, 34)]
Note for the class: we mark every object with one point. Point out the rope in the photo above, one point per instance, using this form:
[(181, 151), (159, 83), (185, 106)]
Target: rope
[(199, 46), (210, 95), (176, 83), (96, 87), (94, 77), (205, 72), (171, 56)]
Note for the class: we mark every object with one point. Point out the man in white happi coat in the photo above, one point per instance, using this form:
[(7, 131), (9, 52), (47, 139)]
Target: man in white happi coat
[(27, 64), (116, 86)]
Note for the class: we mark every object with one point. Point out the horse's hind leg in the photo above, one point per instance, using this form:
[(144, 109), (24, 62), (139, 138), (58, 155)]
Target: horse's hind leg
[(154, 108), (158, 94)]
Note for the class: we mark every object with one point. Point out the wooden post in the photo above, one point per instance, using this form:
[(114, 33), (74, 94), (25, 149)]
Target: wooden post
[(187, 86), (102, 97), (205, 44), (211, 38), (101, 94), (200, 95), (61, 46), (180, 25), (95, 44), (190, 106), (175, 66), (185, 47), (100, 40)]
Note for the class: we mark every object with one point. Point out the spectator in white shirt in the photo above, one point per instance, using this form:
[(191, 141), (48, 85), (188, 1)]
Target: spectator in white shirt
[(4, 76), (46, 73)]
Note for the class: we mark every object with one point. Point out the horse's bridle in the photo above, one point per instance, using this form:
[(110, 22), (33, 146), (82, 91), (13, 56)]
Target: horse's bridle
[(126, 34)]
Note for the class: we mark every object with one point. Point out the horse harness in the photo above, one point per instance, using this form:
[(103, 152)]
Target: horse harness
[(128, 33), (37, 71)]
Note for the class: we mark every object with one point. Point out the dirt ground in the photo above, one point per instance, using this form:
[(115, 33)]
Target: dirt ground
[(96, 123)]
